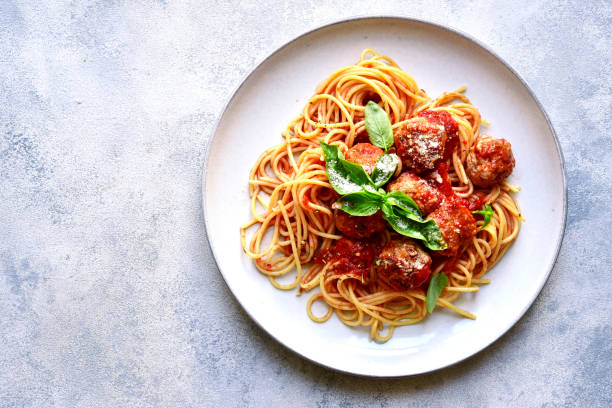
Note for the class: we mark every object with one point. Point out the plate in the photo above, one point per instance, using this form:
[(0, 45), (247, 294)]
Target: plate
[(440, 60)]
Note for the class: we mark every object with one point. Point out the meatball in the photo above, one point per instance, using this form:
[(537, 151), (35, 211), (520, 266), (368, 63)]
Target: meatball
[(456, 224), (354, 256), (404, 262), (490, 161), (359, 227), (365, 154), (420, 144), (426, 197)]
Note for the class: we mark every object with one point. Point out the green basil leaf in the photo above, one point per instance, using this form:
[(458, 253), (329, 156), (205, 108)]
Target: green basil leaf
[(356, 172), (360, 204), (400, 223), (407, 223), (378, 126), (487, 212), (384, 169), (433, 236), (436, 285), (337, 174), (371, 189), (405, 202)]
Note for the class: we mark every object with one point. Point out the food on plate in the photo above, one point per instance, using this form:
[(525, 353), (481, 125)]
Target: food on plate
[(490, 161), (365, 154), (386, 200), (403, 262), (353, 226), (425, 195)]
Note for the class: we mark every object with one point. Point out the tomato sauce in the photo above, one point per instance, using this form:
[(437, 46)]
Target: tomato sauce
[(476, 201), (473, 203), (449, 263), (350, 256), (440, 179)]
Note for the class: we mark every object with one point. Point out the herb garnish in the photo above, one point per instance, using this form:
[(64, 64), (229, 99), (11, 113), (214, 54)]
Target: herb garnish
[(378, 126), (436, 285), (384, 169), (487, 212), (344, 176), (362, 194)]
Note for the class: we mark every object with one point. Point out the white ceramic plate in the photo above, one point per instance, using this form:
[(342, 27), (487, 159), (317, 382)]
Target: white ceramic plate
[(440, 60)]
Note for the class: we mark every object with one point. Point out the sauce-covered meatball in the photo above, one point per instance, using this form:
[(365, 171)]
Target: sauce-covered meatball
[(404, 262), (365, 154), (426, 197), (490, 161), (359, 227), (420, 144), (354, 256), (456, 224)]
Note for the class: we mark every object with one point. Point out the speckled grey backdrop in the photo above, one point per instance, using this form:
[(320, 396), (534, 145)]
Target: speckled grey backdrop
[(108, 292)]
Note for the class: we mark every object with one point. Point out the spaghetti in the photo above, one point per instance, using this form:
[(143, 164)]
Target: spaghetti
[(291, 201)]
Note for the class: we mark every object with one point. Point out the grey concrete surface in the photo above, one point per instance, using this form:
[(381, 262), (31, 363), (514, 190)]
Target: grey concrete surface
[(109, 295)]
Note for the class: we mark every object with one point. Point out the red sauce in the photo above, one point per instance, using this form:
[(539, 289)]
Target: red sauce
[(437, 259), (450, 127), (352, 256), (476, 201), (372, 96), (361, 137), (440, 179)]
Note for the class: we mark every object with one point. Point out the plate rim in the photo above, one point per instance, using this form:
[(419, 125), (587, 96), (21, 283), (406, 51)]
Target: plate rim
[(404, 19)]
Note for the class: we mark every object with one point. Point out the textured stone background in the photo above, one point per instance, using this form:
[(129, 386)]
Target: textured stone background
[(108, 292)]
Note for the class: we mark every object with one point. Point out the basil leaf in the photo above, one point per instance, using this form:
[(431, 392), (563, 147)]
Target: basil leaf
[(370, 189), (360, 204), (433, 237), (404, 201), (401, 223), (337, 174), (404, 222), (356, 172), (384, 169), (487, 212), (378, 126), (436, 285)]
